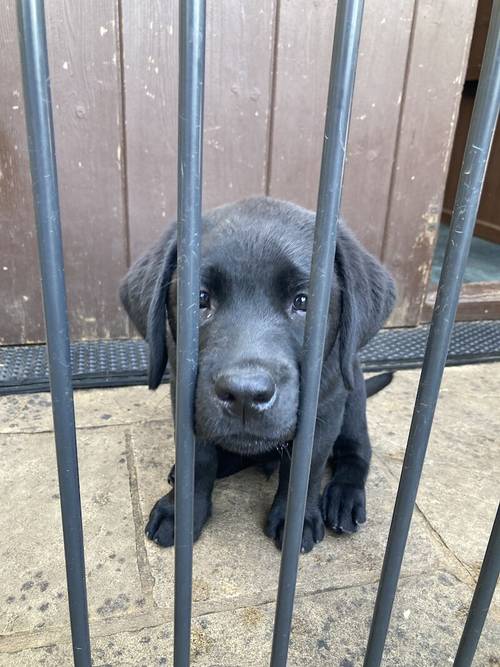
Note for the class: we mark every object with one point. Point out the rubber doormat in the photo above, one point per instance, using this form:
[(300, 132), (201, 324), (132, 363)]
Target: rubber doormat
[(119, 363)]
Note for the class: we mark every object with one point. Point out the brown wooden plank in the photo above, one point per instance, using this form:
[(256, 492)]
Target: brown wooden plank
[(238, 81), (85, 71), (85, 79), (488, 230), (303, 62), (481, 24), (488, 223), (20, 299), (478, 301), (485, 229), (438, 59)]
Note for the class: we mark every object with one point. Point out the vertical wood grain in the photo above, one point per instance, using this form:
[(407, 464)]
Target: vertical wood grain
[(116, 62), (488, 218), (437, 65), (237, 93), (303, 61), (84, 66), (21, 316), (85, 71)]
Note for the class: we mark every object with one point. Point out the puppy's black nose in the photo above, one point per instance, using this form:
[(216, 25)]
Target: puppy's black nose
[(246, 390)]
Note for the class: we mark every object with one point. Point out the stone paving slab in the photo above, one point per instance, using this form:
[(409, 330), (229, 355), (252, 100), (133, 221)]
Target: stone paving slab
[(330, 628), (459, 490), (466, 423), (32, 579), (229, 555), (31, 413), (126, 449)]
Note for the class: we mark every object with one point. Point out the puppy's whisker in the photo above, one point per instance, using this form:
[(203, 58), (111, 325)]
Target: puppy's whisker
[(320, 420)]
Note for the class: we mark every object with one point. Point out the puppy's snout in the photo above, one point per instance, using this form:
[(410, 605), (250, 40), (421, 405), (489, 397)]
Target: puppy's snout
[(244, 391)]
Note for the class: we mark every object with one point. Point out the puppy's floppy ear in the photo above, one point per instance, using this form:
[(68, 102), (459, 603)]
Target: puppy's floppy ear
[(367, 295), (143, 293)]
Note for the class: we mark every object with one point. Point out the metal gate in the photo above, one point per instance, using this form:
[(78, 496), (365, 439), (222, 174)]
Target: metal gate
[(191, 88)]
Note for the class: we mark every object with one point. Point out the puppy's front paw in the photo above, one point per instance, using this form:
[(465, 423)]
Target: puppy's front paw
[(313, 532), (160, 527), (344, 507)]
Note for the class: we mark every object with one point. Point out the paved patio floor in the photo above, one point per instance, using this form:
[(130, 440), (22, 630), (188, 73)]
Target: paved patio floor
[(125, 451)]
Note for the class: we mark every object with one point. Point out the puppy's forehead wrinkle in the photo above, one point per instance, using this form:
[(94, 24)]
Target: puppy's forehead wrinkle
[(253, 210), (279, 254), (256, 218)]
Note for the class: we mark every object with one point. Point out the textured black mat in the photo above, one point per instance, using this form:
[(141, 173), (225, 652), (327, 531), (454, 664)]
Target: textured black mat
[(123, 362)]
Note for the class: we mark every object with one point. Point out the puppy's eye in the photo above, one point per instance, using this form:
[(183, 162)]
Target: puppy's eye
[(300, 302), (204, 299)]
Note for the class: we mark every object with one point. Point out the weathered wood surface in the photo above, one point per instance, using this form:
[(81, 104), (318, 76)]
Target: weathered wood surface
[(239, 63), (436, 69), (302, 72), (114, 81), (86, 93), (20, 299)]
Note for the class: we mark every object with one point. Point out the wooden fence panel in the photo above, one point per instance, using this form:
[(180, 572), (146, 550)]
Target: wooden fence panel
[(20, 297), (302, 71), (237, 101), (438, 61), (84, 50), (114, 82), (85, 78)]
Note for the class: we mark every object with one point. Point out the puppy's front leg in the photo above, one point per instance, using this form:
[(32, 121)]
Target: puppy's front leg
[(314, 529), (343, 502), (160, 527)]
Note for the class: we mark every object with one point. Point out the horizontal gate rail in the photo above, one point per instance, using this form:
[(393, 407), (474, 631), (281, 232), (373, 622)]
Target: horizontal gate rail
[(479, 140), (189, 174), (33, 45), (342, 74)]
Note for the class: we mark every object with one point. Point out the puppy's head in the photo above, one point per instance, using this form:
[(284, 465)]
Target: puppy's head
[(256, 257)]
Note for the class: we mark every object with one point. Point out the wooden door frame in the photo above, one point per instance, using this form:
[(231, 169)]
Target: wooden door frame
[(436, 68), (478, 301)]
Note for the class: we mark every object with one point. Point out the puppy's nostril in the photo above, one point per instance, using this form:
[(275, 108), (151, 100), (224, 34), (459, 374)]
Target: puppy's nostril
[(223, 389), (263, 396), (223, 395)]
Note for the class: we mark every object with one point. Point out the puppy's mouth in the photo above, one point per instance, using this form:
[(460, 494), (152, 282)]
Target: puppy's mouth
[(250, 444)]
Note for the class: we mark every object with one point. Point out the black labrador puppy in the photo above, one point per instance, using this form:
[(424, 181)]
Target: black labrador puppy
[(256, 257)]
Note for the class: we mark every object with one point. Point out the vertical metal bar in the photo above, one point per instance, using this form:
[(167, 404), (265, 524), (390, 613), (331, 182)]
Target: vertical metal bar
[(482, 127), (342, 74), (481, 599), (191, 86), (33, 44)]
